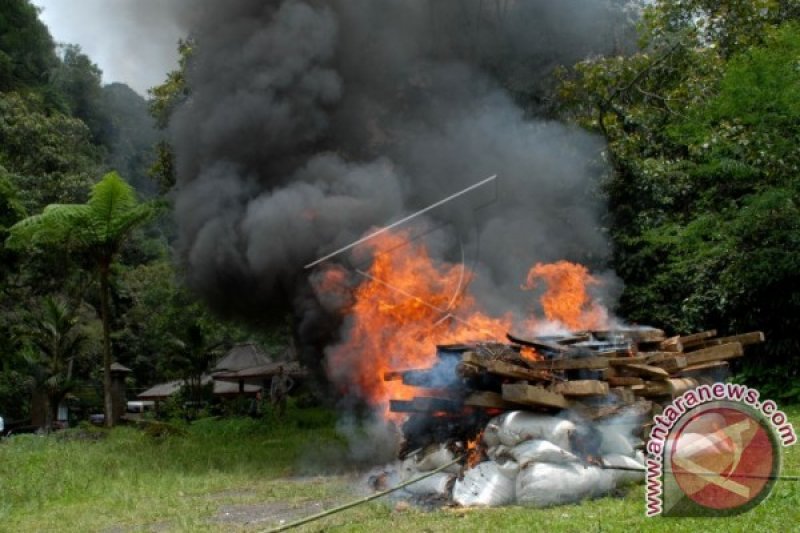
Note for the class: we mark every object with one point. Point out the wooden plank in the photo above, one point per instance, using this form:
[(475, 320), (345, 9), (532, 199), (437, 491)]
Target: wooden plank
[(715, 353), (672, 344), (620, 361), (575, 363), (646, 371), (625, 381), (697, 338), (653, 358), (532, 395), (673, 364), (581, 387), (502, 368), (490, 400), (745, 339)]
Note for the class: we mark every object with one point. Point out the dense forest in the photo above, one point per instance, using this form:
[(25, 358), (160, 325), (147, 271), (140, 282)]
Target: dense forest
[(61, 131), (702, 123)]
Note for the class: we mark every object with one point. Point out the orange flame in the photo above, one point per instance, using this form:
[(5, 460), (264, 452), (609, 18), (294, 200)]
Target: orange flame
[(566, 298), (475, 450), (408, 303)]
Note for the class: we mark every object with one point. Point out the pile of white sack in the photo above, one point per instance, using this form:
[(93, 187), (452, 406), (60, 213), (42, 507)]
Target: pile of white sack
[(530, 462)]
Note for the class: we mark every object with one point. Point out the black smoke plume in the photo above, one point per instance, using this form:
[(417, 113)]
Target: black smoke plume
[(311, 122)]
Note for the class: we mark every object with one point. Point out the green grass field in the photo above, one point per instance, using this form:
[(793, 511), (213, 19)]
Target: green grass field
[(245, 475)]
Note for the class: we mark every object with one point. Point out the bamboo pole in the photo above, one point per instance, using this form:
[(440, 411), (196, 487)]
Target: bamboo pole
[(323, 514)]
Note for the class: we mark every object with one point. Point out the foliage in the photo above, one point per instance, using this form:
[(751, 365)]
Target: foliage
[(79, 83), (164, 100), (26, 49), (702, 127), (47, 155)]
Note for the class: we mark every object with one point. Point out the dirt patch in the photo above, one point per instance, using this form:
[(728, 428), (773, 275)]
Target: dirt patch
[(270, 513)]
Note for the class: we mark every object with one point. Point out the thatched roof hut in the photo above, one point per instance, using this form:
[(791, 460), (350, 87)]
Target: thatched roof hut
[(241, 356)]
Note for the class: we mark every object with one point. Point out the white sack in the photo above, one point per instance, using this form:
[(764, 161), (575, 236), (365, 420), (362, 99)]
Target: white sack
[(540, 451), (545, 484), (438, 484), (484, 485), (513, 427)]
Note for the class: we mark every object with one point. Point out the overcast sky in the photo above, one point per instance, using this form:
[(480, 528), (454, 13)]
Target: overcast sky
[(133, 41)]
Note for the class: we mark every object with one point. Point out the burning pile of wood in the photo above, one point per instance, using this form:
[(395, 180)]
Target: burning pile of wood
[(536, 409)]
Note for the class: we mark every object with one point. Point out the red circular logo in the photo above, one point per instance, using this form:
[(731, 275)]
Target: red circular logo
[(723, 458)]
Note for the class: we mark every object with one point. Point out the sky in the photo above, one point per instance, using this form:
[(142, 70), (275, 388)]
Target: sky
[(132, 41)]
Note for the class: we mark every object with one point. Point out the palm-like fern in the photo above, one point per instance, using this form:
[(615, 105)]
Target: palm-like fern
[(98, 227)]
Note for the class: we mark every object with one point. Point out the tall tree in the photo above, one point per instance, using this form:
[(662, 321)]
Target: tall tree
[(97, 228)]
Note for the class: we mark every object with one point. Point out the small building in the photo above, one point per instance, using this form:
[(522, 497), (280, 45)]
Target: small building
[(163, 391), (241, 356)]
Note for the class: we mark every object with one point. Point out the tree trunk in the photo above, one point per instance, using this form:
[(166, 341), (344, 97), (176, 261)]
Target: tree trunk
[(105, 315)]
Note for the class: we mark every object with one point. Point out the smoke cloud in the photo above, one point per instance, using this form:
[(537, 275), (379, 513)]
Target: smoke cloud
[(312, 122)]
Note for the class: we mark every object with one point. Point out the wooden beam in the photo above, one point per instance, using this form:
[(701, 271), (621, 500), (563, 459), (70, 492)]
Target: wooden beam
[(531, 395), (673, 364), (673, 344), (653, 358), (581, 387), (705, 366), (646, 371), (715, 353), (697, 338), (754, 337), (621, 361), (574, 363)]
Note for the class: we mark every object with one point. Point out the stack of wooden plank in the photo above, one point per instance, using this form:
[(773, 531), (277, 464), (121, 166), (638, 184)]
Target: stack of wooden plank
[(591, 371)]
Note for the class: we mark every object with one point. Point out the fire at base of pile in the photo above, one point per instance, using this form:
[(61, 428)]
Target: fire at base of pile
[(529, 459)]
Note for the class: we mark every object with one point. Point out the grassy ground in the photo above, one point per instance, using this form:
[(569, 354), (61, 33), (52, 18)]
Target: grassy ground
[(246, 475)]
